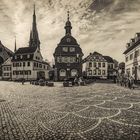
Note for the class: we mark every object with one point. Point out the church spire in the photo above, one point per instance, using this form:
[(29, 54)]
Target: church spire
[(30, 40), (34, 9), (34, 38), (68, 26), (15, 45)]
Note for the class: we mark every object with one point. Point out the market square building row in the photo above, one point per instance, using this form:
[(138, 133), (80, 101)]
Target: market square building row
[(27, 62)]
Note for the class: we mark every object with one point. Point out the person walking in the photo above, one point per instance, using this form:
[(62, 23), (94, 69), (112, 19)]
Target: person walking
[(23, 81)]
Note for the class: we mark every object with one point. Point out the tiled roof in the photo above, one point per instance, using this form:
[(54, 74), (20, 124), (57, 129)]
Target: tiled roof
[(26, 50), (24, 58), (109, 59), (9, 52), (94, 56), (64, 40), (68, 41)]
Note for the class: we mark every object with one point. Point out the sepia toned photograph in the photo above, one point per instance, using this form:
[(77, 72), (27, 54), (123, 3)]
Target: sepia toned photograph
[(69, 69)]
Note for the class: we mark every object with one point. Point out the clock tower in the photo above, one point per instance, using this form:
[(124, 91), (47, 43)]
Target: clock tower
[(68, 56)]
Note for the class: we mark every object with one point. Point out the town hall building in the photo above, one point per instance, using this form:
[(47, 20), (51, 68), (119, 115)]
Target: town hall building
[(68, 56)]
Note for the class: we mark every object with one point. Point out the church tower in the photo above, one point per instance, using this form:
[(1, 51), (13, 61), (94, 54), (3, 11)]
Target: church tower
[(68, 56), (34, 38)]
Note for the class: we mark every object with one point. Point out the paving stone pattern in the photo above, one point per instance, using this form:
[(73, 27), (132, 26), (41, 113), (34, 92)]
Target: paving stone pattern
[(96, 112)]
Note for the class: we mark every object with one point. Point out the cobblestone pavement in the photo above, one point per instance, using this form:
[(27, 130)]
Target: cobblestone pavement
[(94, 112)]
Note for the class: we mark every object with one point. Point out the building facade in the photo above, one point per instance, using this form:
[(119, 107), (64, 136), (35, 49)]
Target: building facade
[(99, 66), (132, 57), (68, 56), (111, 67), (7, 70), (27, 62), (5, 53), (96, 66)]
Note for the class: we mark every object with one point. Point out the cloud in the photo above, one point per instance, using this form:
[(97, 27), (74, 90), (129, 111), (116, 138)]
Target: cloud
[(98, 25)]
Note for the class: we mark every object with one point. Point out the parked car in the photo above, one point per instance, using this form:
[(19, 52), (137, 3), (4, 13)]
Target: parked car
[(68, 83), (42, 82), (50, 84), (20, 80)]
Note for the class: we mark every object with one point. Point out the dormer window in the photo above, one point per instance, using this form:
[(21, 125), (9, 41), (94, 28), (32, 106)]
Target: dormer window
[(68, 40), (65, 49)]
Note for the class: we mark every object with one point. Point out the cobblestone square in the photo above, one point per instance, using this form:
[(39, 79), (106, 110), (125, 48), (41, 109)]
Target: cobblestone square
[(98, 111)]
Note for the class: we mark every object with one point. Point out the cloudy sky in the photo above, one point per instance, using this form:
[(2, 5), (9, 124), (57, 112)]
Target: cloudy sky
[(98, 25)]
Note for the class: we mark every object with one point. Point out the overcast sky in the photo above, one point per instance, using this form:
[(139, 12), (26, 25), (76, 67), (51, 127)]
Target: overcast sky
[(98, 25)]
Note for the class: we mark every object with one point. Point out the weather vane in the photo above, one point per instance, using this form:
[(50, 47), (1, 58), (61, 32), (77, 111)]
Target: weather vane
[(68, 14)]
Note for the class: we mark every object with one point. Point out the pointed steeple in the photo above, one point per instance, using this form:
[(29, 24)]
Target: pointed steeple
[(15, 45), (34, 9), (34, 38), (30, 40), (68, 26)]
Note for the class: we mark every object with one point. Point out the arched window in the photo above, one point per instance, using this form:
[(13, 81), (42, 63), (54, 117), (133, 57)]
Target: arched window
[(74, 72), (62, 72)]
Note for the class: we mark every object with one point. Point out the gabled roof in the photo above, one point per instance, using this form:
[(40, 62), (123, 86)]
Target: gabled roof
[(9, 52), (96, 53), (109, 59), (94, 56), (26, 50), (24, 58), (7, 62)]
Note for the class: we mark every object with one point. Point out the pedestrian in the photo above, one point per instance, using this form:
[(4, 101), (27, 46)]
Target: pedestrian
[(76, 81), (130, 82), (23, 81)]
